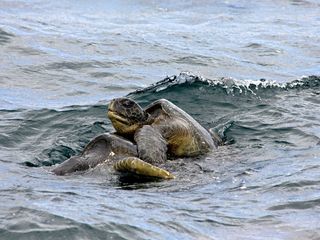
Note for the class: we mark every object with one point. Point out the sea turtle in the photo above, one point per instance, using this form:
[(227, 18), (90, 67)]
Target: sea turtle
[(144, 138)]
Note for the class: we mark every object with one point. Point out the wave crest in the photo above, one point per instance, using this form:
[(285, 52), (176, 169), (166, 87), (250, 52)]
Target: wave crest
[(230, 84)]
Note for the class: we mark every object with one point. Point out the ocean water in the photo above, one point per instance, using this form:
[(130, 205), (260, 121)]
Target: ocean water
[(248, 69)]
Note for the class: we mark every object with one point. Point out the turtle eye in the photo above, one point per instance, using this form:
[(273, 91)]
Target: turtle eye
[(128, 103)]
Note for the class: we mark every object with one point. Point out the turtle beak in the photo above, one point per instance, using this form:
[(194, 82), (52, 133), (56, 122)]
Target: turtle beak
[(114, 115), (111, 107), (111, 111)]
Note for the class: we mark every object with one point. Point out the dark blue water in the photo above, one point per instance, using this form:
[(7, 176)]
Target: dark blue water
[(255, 79)]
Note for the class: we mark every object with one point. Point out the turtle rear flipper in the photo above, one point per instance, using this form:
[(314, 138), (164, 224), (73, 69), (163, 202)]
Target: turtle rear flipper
[(133, 165)]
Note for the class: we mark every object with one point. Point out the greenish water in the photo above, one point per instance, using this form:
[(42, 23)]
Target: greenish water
[(62, 62)]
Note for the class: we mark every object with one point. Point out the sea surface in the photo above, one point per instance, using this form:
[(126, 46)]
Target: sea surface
[(247, 69)]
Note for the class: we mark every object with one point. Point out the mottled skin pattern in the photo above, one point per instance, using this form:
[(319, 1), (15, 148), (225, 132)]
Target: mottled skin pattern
[(143, 139)]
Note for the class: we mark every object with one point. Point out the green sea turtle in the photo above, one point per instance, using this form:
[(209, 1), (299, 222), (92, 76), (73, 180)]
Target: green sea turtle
[(143, 140)]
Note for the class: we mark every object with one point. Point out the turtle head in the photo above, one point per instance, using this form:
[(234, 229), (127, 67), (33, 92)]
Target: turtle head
[(126, 115)]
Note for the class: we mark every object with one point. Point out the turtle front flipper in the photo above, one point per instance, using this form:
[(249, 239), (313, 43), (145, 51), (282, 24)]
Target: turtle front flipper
[(152, 147), (136, 166)]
